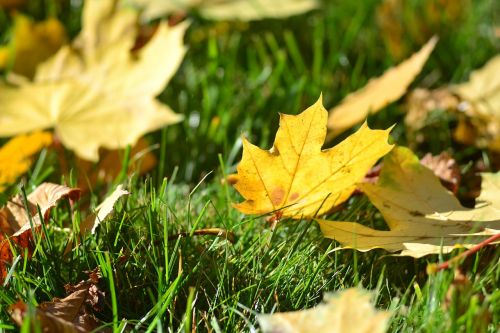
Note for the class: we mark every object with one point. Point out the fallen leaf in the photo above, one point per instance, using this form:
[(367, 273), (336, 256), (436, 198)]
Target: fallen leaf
[(243, 10), (346, 311), (16, 155), (31, 43), (423, 217), (15, 225), (11, 3), (379, 92), (295, 178), (481, 107), (70, 314), (97, 93), (102, 211)]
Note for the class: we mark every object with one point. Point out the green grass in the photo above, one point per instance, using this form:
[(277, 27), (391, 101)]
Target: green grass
[(234, 80)]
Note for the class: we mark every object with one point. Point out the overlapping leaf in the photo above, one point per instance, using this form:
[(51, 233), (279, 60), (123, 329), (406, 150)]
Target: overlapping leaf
[(16, 222), (295, 178), (378, 92), (348, 311), (423, 216), (97, 93)]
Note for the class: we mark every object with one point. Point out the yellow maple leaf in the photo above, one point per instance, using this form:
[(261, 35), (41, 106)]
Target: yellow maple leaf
[(16, 155), (96, 93), (423, 217), (346, 311), (31, 43), (243, 10), (379, 92), (480, 120), (296, 177)]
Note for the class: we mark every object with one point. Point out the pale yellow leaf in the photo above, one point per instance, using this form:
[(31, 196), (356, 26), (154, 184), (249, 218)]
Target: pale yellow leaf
[(378, 92), (423, 217), (347, 311), (89, 225), (296, 177), (99, 95), (243, 10)]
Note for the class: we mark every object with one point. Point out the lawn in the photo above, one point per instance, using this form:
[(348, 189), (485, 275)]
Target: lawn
[(166, 268)]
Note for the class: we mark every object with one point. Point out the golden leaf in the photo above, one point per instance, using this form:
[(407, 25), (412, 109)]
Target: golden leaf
[(379, 92), (347, 311), (423, 217), (296, 177), (99, 94), (16, 154), (15, 219), (243, 10), (31, 43)]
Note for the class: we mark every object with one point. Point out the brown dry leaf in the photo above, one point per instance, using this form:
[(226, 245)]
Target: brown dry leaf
[(243, 10), (11, 3), (15, 223), (379, 92), (31, 44), (421, 102), (102, 211), (295, 178), (72, 314), (16, 155), (96, 93), (423, 217), (444, 167), (480, 122), (347, 311)]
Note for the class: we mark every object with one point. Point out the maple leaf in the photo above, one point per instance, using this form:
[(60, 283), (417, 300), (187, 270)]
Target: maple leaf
[(16, 155), (16, 222), (70, 314), (379, 92), (347, 311), (31, 43), (243, 10), (97, 93), (479, 121), (296, 177), (423, 217)]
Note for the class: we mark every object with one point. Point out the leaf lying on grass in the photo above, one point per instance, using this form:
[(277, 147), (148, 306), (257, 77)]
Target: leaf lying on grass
[(423, 217), (102, 211), (72, 314), (15, 225), (244, 10), (16, 155), (346, 311), (296, 177), (97, 93), (378, 92)]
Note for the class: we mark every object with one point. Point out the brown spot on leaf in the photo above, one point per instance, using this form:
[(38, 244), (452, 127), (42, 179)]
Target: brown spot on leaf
[(277, 196), (294, 196)]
